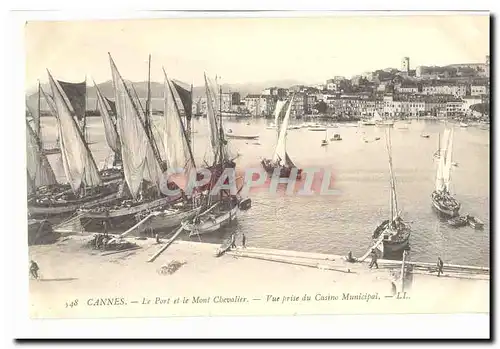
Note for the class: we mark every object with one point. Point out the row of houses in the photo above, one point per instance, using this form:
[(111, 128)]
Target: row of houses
[(351, 105)]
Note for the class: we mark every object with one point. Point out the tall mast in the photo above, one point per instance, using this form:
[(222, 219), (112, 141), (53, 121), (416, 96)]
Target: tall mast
[(394, 202), (84, 125), (189, 117), (147, 117), (37, 119), (220, 124)]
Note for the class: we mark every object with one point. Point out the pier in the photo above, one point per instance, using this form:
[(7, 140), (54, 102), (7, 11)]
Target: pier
[(251, 273)]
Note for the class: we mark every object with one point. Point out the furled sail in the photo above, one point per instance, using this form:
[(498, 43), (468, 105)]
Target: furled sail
[(280, 150), (39, 170), (109, 124), (79, 165), (139, 160), (177, 147)]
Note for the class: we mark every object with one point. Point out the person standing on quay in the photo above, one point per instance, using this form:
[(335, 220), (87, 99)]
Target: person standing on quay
[(243, 241), (440, 265), (233, 240), (374, 259)]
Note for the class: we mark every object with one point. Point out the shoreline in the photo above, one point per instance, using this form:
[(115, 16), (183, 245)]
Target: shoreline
[(245, 281)]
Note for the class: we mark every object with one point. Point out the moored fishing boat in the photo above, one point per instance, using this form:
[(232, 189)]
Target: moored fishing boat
[(143, 167), (281, 162), (79, 167), (460, 221), (217, 216), (235, 136), (392, 236), (442, 200), (475, 222)]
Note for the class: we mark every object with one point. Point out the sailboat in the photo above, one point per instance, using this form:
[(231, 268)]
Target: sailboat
[(280, 160), (392, 236), (79, 167), (112, 139), (437, 153), (325, 141), (41, 179), (142, 165), (379, 122), (223, 208), (442, 200)]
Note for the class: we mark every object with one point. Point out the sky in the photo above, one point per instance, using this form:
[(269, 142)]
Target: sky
[(246, 50)]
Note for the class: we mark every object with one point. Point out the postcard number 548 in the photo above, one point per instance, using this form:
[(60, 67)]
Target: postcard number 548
[(72, 303)]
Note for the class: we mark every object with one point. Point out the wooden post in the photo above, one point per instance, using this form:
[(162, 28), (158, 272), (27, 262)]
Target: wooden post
[(403, 271)]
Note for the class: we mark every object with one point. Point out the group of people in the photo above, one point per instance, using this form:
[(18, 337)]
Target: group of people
[(243, 240), (374, 263)]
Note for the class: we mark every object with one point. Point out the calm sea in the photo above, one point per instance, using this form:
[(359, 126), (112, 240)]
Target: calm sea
[(343, 222)]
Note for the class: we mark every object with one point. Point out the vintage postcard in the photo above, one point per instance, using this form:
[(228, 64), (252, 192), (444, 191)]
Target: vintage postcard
[(258, 165)]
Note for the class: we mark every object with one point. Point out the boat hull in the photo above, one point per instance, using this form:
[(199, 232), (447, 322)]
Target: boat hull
[(393, 245), (285, 172), (122, 218), (167, 220), (54, 210), (210, 226), (228, 135), (444, 209)]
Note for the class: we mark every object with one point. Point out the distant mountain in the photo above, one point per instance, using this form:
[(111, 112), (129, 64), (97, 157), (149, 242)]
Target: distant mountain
[(141, 88)]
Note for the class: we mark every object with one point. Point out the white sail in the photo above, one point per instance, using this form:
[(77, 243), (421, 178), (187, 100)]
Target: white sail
[(444, 168), (39, 170), (109, 125), (277, 111), (448, 162), (376, 116), (138, 157), (215, 131), (177, 149), (79, 165), (280, 151)]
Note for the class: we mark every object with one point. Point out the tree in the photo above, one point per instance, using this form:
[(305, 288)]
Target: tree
[(321, 107)]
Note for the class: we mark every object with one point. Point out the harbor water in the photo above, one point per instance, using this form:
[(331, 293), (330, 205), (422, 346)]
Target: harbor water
[(345, 221)]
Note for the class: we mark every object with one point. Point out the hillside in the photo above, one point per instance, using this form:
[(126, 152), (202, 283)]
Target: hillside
[(157, 89)]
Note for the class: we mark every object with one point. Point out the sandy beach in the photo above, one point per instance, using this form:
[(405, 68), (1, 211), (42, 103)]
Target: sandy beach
[(79, 282)]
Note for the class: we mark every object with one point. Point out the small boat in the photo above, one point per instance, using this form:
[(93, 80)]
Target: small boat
[(281, 162), (317, 128), (325, 141), (454, 164), (392, 236), (402, 127), (294, 127), (351, 125), (442, 200), (51, 151), (247, 123), (425, 135), (220, 214), (475, 222), (336, 137), (460, 221), (229, 134), (463, 124)]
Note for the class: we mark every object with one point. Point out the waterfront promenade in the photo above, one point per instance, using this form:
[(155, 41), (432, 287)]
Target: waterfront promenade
[(241, 282)]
